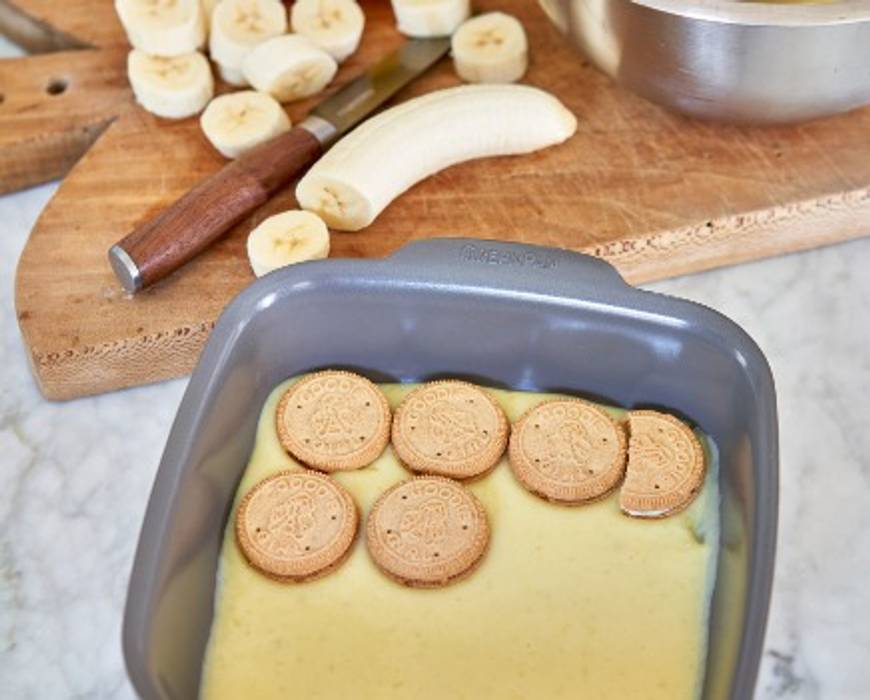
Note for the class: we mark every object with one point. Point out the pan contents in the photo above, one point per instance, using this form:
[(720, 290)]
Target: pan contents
[(665, 466), (296, 525), (427, 532), (450, 428), (525, 578), (568, 451)]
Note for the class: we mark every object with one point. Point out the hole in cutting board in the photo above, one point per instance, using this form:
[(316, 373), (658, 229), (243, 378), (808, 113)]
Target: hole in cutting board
[(57, 86), (2, 97)]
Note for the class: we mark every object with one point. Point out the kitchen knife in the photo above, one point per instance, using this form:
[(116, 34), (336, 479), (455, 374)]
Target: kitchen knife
[(176, 235)]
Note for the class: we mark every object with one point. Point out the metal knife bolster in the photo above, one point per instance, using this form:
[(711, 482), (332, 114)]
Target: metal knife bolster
[(321, 129), (125, 269)]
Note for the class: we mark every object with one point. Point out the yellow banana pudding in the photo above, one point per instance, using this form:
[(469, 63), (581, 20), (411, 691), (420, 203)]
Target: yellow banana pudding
[(567, 601)]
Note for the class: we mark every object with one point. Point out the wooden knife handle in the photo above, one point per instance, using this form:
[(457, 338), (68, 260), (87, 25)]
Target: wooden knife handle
[(179, 233)]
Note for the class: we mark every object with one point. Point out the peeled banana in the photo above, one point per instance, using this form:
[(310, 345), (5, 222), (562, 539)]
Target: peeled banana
[(490, 48), (237, 122), (422, 18), (384, 156), (336, 26), (291, 237), (167, 28), (288, 67), (237, 26), (172, 87)]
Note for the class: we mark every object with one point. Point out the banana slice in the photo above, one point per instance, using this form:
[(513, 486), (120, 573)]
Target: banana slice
[(237, 122), (163, 27), (430, 17), (490, 48), (336, 26), (384, 156), (237, 26), (289, 67), (207, 11), (232, 76), (291, 237), (172, 87)]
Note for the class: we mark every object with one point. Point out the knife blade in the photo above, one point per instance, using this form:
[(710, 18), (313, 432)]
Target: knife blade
[(359, 98), (179, 233)]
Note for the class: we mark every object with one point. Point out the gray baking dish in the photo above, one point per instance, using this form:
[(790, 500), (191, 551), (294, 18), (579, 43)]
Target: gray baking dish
[(501, 314)]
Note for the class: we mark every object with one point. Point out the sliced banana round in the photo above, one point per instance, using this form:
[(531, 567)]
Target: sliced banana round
[(336, 26), (173, 87), (207, 10), (284, 239), (361, 174), (237, 122), (289, 67), (232, 76), (424, 18), (490, 48), (237, 26), (163, 27)]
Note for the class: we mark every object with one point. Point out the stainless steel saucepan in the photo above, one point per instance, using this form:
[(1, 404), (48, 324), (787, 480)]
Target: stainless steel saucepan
[(741, 62)]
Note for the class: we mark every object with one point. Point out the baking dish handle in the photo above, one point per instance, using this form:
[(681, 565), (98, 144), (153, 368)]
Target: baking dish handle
[(512, 265)]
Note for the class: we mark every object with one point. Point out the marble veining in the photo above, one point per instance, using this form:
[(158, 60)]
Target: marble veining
[(75, 478)]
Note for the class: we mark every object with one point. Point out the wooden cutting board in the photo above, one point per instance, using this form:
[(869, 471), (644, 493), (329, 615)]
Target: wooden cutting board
[(654, 193)]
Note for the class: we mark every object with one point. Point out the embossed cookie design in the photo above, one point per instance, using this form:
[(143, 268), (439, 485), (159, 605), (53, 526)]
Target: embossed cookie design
[(296, 525), (334, 421), (427, 532), (665, 466), (450, 428), (567, 451)]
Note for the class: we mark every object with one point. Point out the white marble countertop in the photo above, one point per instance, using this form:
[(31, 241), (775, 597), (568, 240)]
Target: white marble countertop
[(75, 477)]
